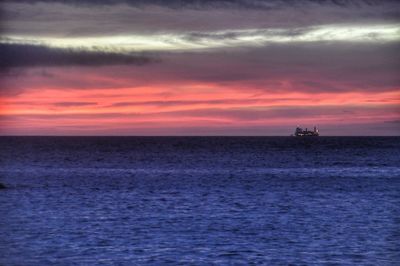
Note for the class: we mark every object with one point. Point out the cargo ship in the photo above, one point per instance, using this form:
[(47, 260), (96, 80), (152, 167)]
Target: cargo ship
[(306, 133)]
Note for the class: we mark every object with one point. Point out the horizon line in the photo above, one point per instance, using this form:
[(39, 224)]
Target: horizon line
[(199, 136)]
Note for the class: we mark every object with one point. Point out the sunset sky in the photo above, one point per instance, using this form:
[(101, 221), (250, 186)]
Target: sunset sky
[(221, 67)]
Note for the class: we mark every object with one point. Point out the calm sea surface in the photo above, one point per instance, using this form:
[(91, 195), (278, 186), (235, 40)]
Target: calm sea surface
[(200, 200)]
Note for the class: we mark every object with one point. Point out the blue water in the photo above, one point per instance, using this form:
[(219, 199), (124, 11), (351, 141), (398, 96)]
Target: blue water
[(211, 200)]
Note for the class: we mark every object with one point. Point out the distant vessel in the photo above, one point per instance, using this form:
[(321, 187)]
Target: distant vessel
[(306, 133)]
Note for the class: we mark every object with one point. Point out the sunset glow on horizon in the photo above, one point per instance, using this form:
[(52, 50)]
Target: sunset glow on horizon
[(205, 68)]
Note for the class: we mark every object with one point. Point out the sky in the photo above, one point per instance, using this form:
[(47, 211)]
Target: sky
[(191, 67)]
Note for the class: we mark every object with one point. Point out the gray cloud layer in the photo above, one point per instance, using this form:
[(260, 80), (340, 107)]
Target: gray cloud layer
[(268, 4), (316, 66), (278, 68), (232, 113), (24, 55), (101, 17)]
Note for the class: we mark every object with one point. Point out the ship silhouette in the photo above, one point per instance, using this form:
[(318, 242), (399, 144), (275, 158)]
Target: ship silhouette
[(299, 132)]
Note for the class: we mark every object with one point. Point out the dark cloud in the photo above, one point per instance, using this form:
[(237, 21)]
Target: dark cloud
[(393, 121), (229, 121), (25, 55), (318, 68), (257, 4), (235, 114), (56, 104), (326, 67), (288, 112), (73, 104), (97, 18), (200, 102)]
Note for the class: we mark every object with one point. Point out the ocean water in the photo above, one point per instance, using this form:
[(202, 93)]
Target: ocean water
[(200, 200)]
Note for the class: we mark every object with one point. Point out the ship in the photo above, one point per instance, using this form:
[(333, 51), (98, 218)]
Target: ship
[(306, 133)]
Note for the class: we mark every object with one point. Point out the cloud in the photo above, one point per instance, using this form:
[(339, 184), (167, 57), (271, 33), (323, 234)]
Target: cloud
[(247, 4), (124, 18), (187, 41), (73, 104), (27, 55), (348, 112), (65, 54), (290, 112), (229, 121), (315, 68), (393, 121), (175, 103)]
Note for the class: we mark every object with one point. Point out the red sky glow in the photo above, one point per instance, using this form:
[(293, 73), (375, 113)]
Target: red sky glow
[(154, 69)]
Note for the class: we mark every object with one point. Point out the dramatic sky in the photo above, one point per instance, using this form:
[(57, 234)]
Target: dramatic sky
[(199, 67)]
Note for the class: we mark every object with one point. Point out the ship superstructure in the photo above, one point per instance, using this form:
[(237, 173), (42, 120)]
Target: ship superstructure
[(306, 133)]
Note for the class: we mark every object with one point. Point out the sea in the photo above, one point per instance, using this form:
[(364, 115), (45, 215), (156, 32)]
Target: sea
[(200, 201)]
